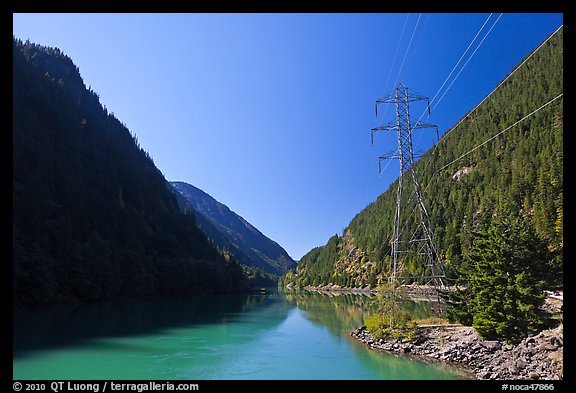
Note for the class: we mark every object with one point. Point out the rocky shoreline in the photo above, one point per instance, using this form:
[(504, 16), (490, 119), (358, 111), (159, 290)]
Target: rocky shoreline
[(537, 357), (413, 292)]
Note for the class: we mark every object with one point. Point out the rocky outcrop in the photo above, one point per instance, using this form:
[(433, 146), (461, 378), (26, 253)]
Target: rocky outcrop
[(537, 357)]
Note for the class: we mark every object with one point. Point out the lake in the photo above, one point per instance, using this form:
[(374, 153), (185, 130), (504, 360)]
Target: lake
[(292, 335)]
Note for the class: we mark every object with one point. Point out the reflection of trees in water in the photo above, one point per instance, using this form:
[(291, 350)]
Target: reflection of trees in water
[(60, 326), (419, 309), (341, 312)]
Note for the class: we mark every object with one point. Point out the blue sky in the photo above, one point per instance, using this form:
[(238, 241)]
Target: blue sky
[(271, 113)]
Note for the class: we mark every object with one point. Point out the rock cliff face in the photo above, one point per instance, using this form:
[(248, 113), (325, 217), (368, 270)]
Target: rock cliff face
[(537, 357)]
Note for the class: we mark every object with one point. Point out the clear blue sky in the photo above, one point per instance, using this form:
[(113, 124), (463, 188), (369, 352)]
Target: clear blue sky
[(271, 113)]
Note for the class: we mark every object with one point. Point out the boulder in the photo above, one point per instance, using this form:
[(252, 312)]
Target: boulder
[(492, 345)]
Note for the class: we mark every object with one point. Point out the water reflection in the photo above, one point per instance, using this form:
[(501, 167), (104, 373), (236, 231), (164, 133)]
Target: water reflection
[(293, 335), (340, 313), (61, 326), (343, 312), (401, 367)]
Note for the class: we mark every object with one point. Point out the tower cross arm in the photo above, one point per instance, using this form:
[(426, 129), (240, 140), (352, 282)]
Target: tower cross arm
[(392, 155), (412, 96), (427, 125), (424, 125), (390, 99), (387, 127)]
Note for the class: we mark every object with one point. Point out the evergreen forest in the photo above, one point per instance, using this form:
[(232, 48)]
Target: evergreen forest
[(519, 173), (93, 217)]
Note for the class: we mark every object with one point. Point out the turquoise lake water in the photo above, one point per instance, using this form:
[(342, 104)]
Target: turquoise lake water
[(264, 336)]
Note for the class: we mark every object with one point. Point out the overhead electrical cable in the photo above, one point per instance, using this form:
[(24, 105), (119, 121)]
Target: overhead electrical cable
[(407, 49), (499, 133), (401, 66), (443, 137), (457, 63), (386, 85), (500, 84), (465, 64)]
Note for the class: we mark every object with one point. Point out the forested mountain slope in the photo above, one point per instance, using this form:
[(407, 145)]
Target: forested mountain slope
[(519, 171), (93, 217), (231, 232)]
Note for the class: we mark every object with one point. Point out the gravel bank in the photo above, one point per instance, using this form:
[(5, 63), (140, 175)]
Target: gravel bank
[(537, 357)]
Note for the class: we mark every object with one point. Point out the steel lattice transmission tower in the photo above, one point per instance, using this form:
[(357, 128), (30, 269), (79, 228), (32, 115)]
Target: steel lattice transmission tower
[(412, 238)]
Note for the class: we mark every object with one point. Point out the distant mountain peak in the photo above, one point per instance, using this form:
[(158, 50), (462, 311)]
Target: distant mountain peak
[(232, 232)]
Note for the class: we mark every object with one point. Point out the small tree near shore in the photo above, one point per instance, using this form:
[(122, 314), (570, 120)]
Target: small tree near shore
[(391, 321)]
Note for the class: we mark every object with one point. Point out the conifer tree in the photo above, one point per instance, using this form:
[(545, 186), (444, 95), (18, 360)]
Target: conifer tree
[(507, 262)]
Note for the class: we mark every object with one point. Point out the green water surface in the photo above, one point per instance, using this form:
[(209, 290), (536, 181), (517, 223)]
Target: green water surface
[(264, 336)]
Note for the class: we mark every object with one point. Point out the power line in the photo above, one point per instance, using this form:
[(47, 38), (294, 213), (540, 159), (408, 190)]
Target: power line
[(400, 69), (465, 64), (417, 39), (394, 59), (407, 49), (500, 133), (458, 62), (501, 83), (395, 54), (485, 98), (386, 89)]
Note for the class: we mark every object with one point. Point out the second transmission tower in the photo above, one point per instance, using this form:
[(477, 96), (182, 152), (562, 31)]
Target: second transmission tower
[(412, 238)]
